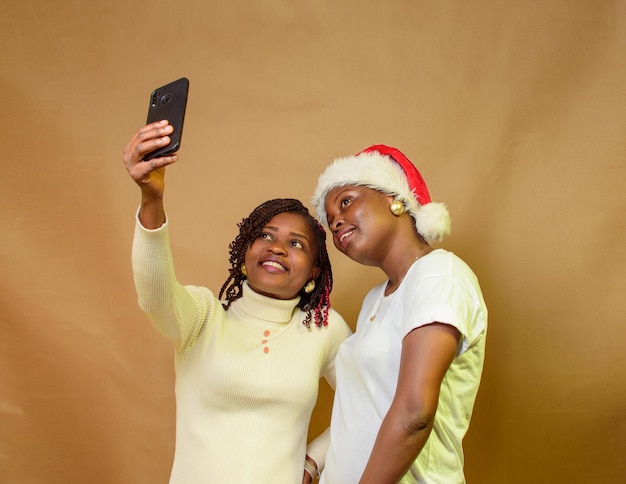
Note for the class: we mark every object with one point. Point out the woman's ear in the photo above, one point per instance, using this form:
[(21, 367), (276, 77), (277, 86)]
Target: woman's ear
[(315, 272)]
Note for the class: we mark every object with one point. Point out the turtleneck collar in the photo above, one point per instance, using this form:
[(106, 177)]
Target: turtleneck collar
[(264, 307)]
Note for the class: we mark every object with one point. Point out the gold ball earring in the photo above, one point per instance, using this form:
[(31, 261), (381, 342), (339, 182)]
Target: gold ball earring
[(243, 270), (397, 208), (309, 286)]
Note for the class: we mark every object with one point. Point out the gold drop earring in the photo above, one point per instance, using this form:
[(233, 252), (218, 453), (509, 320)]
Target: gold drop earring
[(309, 286), (243, 270), (397, 208)]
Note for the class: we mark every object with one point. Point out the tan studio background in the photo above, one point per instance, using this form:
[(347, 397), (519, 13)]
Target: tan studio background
[(514, 112)]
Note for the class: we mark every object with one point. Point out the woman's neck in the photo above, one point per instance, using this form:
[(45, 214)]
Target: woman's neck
[(400, 260)]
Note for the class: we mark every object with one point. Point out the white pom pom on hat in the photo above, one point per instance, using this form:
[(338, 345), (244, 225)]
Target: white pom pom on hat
[(389, 171)]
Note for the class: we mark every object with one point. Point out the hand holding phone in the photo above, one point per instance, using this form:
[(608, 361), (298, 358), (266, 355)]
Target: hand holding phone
[(169, 102)]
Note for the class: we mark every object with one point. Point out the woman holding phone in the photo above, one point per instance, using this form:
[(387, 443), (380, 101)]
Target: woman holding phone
[(249, 360)]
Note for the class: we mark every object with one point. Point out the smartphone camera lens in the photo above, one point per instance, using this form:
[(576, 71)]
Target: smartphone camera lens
[(155, 96), (166, 99)]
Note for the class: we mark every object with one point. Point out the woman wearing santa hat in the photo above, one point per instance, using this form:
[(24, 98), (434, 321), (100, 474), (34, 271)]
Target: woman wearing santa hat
[(407, 379)]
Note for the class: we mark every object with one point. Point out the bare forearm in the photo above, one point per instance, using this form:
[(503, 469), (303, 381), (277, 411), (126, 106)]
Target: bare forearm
[(399, 442), (150, 175), (426, 356), (152, 212)]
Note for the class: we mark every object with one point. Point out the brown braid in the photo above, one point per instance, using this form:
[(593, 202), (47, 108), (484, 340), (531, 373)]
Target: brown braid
[(317, 303)]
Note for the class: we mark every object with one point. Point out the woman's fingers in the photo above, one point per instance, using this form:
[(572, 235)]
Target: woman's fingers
[(149, 174), (145, 140)]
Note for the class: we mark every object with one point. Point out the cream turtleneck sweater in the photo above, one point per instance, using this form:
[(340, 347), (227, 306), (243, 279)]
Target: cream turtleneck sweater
[(246, 379)]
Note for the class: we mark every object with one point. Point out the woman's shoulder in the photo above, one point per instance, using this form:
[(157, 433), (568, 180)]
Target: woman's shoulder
[(335, 317), (440, 271), (337, 325), (442, 261)]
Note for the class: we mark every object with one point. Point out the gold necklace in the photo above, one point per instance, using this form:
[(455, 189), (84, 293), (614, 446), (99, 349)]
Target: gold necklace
[(396, 286)]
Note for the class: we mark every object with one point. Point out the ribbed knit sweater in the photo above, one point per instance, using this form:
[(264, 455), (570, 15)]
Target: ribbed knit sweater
[(246, 378)]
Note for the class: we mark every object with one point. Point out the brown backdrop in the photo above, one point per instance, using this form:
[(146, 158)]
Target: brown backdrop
[(514, 111)]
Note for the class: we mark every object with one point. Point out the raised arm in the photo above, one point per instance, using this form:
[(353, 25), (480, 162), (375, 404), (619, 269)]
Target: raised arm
[(149, 175)]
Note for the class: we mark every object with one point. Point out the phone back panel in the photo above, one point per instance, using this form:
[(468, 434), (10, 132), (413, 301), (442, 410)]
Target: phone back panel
[(169, 102)]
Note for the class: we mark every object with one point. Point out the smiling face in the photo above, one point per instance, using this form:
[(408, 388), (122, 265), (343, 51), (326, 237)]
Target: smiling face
[(283, 258), (361, 222)]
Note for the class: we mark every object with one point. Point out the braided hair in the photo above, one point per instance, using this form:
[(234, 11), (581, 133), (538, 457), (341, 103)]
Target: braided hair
[(316, 303)]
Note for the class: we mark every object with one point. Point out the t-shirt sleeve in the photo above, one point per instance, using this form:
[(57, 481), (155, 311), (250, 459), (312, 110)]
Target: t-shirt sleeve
[(442, 299)]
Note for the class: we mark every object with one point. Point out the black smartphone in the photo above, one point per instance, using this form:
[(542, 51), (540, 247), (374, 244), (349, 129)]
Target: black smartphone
[(169, 102)]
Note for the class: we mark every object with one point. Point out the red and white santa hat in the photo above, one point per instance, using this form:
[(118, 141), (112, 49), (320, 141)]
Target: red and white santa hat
[(387, 170)]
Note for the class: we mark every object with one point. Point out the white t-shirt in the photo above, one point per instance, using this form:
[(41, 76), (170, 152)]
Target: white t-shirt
[(438, 287)]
